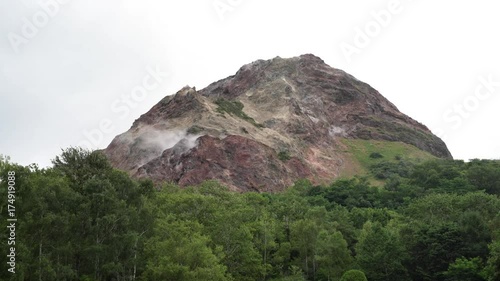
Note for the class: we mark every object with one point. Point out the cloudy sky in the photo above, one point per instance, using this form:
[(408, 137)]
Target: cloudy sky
[(75, 72)]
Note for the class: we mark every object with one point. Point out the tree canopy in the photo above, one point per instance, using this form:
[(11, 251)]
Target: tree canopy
[(83, 220)]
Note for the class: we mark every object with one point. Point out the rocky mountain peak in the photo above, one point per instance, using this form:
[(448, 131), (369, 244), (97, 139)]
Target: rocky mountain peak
[(273, 122)]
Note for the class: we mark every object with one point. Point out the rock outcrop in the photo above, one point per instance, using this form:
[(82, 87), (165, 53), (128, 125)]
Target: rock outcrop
[(273, 122)]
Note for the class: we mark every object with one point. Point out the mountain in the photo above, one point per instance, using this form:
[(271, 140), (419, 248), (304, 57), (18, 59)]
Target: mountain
[(272, 123)]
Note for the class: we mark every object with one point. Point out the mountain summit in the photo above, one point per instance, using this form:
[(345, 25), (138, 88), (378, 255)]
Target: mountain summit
[(272, 123)]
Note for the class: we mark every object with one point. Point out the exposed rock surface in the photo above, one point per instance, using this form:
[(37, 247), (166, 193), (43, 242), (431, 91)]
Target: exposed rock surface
[(273, 122)]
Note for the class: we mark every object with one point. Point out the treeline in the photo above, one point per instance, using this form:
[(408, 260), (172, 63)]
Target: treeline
[(84, 220)]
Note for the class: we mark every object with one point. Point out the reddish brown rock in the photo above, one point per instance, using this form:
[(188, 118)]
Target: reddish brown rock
[(242, 163)]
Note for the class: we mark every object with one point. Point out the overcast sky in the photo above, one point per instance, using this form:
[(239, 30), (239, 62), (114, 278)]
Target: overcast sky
[(78, 72)]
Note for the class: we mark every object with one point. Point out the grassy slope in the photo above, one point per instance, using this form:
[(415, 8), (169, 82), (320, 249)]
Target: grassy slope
[(360, 151)]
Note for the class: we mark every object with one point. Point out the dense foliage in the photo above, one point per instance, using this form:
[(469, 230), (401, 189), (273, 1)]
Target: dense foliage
[(84, 220)]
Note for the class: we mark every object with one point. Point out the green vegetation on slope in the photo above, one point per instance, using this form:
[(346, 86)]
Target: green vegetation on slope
[(370, 156), (83, 220), (284, 155), (235, 108)]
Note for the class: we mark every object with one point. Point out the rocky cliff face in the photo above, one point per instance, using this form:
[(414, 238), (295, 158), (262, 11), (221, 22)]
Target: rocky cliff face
[(273, 122)]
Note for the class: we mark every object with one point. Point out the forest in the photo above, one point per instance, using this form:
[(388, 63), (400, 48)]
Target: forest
[(81, 219)]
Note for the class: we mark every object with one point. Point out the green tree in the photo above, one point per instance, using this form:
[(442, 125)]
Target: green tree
[(84, 215), (265, 237), (4, 161), (432, 248), (493, 263), (179, 252), (303, 238), (380, 253), (484, 175), (79, 165), (465, 270), (230, 221), (333, 256), (353, 275)]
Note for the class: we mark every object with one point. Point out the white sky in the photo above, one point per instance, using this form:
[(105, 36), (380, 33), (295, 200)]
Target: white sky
[(71, 72)]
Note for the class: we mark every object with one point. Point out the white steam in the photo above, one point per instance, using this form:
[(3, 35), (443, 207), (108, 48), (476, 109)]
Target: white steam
[(162, 140), (336, 131), (148, 143)]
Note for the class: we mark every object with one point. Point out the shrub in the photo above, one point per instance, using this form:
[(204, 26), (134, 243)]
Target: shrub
[(194, 130), (284, 155), (244, 130), (235, 108), (376, 155), (353, 275)]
